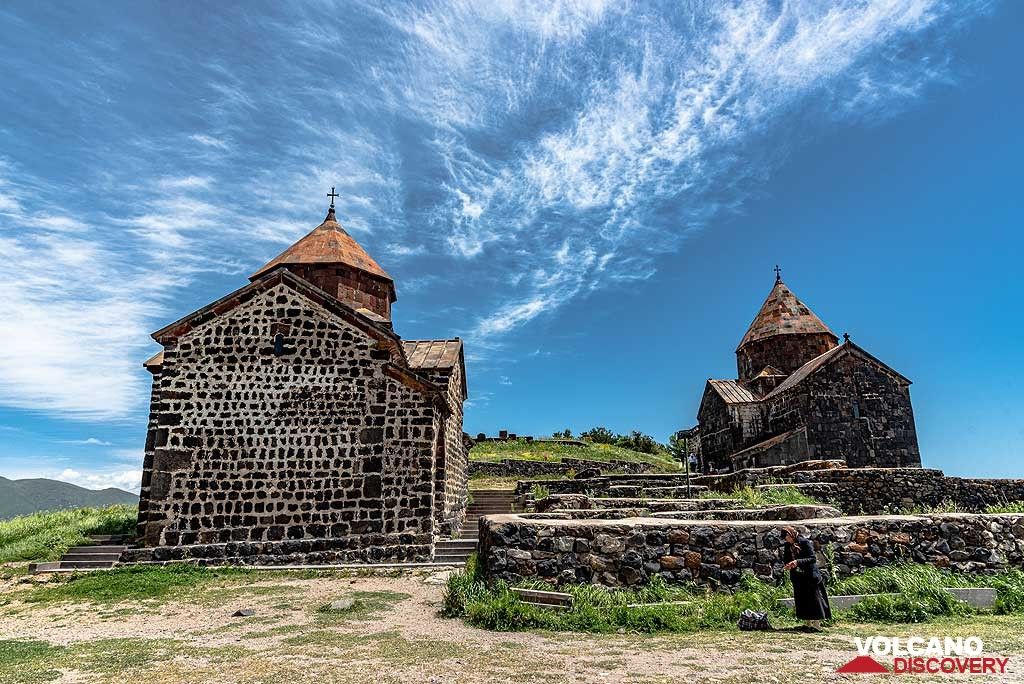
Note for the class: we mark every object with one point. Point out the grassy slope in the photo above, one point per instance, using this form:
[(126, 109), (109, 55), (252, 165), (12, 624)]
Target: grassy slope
[(46, 536), (22, 497), (551, 451)]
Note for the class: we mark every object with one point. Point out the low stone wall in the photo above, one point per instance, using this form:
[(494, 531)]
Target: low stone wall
[(882, 490), (856, 491), (784, 512), (403, 548), (514, 467), (597, 486), (632, 551)]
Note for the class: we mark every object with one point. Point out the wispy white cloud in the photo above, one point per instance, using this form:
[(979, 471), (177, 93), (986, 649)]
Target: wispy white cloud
[(209, 141), (530, 152), (128, 480), (89, 441), (665, 132)]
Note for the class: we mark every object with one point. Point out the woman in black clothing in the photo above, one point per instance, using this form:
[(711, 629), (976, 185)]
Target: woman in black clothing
[(808, 586)]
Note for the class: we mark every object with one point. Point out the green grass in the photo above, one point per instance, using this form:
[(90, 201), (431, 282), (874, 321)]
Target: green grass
[(1012, 507), (598, 610), (918, 587), (46, 536), (553, 451), (161, 583), (31, 661), (947, 506), (759, 498), (367, 604)]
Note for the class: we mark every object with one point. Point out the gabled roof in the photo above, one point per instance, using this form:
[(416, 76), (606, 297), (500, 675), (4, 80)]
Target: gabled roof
[(154, 362), (382, 333), (436, 356), (399, 367), (783, 314), (770, 372), (732, 392), (328, 243), (819, 362), (432, 354)]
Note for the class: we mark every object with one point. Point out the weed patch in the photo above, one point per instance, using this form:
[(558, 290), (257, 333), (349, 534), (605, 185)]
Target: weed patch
[(365, 605), (759, 498)]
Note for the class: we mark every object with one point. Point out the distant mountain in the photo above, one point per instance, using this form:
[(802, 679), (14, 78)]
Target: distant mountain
[(21, 497)]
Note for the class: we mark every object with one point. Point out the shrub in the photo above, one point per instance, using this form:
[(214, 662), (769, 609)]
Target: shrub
[(539, 492), (599, 435), (638, 441)]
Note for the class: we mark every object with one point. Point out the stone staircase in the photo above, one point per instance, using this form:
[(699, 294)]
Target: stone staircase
[(485, 502), (102, 553)]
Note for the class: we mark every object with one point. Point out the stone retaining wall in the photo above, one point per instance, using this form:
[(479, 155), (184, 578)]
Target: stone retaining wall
[(856, 491), (882, 490), (632, 551), (357, 549), (513, 467)]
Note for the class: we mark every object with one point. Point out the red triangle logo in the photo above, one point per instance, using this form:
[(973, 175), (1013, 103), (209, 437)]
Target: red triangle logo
[(863, 665)]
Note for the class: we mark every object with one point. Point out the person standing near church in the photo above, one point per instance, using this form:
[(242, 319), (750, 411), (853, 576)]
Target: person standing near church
[(809, 595)]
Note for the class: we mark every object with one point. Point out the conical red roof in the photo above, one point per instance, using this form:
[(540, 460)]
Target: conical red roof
[(328, 243), (783, 314)]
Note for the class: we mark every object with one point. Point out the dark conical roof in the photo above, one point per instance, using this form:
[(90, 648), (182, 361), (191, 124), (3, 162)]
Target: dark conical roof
[(328, 243), (783, 314)]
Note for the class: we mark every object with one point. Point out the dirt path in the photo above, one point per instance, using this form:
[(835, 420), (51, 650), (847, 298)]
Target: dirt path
[(394, 634)]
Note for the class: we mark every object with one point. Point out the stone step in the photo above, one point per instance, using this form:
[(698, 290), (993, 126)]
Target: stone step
[(455, 546), (98, 549), (85, 565), (459, 558), (110, 538), (99, 557)]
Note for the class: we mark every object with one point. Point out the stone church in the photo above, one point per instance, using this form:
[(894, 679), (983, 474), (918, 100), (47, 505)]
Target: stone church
[(290, 422), (801, 395)]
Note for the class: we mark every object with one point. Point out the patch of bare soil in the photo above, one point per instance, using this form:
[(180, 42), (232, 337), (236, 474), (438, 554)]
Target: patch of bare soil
[(395, 634)]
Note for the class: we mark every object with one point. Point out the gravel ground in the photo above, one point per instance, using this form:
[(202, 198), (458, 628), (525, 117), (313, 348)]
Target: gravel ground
[(398, 636)]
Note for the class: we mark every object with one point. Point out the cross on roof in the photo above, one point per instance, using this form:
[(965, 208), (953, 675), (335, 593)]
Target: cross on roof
[(332, 195), (778, 274)]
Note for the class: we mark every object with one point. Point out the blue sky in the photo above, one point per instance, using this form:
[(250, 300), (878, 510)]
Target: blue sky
[(592, 195)]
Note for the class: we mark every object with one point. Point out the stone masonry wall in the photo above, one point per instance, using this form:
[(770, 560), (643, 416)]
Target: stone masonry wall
[(873, 491), (453, 467), (784, 352), (356, 288), (632, 551), (320, 445), (868, 491), (854, 410)]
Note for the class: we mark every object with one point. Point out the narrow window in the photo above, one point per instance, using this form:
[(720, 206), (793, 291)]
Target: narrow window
[(856, 409), (279, 345)]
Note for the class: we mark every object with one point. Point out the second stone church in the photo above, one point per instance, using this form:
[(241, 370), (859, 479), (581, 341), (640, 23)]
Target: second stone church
[(290, 422), (801, 395)]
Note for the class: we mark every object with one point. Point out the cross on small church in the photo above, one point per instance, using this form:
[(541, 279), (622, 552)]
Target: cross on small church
[(778, 274), (332, 195)]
